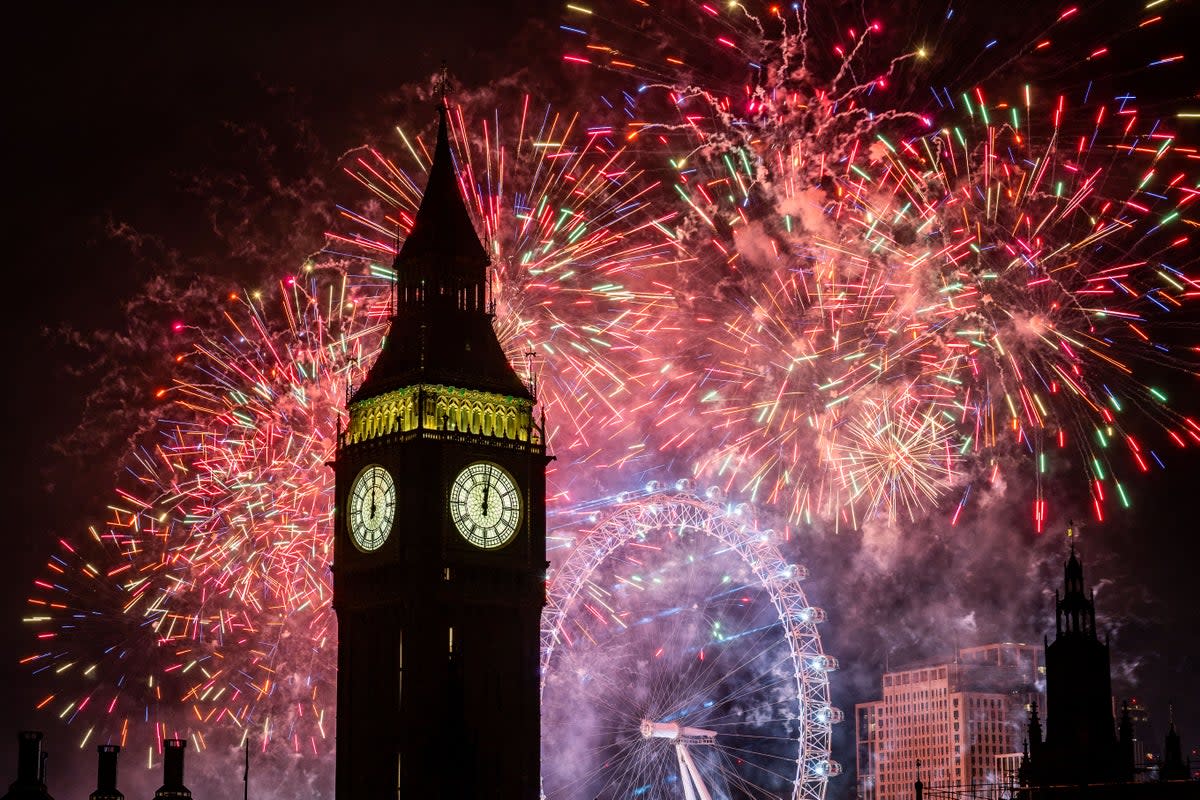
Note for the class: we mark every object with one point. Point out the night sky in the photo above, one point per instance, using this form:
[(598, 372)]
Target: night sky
[(145, 140)]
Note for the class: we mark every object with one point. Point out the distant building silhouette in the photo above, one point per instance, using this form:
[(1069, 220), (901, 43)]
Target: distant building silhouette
[(1080, 756), (1173, 766), (1080, 746), (973, 727), (31, 769), (1139, 716), (961, 719)]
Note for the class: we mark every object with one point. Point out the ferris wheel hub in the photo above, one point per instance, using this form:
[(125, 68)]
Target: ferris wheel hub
[(675, 731)]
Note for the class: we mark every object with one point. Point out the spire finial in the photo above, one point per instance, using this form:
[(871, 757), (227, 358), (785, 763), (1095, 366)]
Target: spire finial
[(443, 110), (530, 355), (443, 79)]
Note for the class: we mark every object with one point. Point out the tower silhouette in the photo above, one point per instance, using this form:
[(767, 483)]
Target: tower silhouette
[(1174, 768), (1080, 745), (440, 553)]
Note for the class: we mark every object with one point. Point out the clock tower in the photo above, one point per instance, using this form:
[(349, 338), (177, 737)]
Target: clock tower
[(440, 551)]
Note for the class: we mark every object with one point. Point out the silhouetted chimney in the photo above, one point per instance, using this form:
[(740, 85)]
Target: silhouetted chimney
[(173, 770), (106, 774), (29, 757), (31, 770)]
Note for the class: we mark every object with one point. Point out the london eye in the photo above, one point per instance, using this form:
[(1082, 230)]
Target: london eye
[(681, 658)]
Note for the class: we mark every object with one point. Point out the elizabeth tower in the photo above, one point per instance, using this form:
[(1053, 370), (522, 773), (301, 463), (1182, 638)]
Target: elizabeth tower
[(440, 550)]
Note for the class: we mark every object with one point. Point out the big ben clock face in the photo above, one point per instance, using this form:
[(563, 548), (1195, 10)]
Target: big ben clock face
[(485, 505), (372, 508)]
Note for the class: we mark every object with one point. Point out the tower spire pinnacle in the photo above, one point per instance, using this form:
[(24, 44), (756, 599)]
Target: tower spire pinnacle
[(443, 79), (441, 331), (442, 262), (1075, 611)]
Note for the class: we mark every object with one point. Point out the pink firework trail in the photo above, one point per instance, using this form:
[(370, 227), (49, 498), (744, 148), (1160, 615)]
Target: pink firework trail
[(570, 220)]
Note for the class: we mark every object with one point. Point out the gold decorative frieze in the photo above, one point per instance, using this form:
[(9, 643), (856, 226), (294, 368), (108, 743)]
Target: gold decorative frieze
[(440, 408)]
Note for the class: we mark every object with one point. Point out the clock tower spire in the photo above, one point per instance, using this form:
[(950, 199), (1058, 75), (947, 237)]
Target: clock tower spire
[(440, 548)]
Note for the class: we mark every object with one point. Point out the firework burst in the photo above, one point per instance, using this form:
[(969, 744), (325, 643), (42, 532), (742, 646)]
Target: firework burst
[(992, 274), (202, 604)]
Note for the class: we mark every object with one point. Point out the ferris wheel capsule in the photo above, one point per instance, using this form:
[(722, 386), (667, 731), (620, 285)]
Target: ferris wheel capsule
[(811, 614), (828, 715)]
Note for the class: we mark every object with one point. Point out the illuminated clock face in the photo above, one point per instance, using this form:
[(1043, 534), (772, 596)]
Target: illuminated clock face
[(372, 507), (485, 505)]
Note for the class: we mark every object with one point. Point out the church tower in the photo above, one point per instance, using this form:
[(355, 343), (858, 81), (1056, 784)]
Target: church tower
[(1080, 745), (440, 551)]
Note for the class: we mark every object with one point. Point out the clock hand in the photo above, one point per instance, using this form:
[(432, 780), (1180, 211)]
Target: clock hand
[(486, 488)]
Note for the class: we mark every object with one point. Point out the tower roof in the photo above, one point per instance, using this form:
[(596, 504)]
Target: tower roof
[(442, 331), (1075, 612), (443, 242), (1073, 568)]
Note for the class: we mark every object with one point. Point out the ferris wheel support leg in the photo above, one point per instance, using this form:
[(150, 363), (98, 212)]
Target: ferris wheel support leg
[(685, 759), (685, 777)]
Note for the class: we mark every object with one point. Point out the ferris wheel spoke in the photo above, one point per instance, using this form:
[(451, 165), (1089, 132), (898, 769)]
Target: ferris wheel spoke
[(715, 679), (736, 780), (755, 754), (748, 688), (755, 686)]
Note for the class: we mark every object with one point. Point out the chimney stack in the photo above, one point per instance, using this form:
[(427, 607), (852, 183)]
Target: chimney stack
[(31, 769), (106, 774), (29, 757), (173, 770)]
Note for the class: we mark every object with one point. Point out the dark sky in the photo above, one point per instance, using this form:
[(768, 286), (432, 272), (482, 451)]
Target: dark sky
[(125, 116)]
